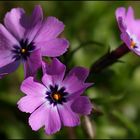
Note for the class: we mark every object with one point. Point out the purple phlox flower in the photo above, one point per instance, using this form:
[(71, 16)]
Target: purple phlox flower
[(57, 101), (26, 38), (130, 28)]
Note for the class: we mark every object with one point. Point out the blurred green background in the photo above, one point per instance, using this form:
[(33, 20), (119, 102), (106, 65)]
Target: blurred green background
[(116, 92)]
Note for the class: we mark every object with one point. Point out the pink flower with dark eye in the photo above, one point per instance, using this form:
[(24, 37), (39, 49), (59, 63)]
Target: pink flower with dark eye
[(130, 28), (26, 38), (57, 101)]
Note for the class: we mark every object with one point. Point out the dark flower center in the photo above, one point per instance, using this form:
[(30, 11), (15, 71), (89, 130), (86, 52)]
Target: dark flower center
[(56, 96), (23, 51)]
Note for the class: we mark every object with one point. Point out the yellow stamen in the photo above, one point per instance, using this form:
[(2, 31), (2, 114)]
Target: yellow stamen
[(56, 96), (132, 44), (23, 50)]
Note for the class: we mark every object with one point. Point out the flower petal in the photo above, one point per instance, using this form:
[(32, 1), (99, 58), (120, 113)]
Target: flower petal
[(9, 68), (30, 87), (126, 38), (55, 68), (72, 84), (132, 23), (68, 117), (120, 12), (129, 14), (12, 22), (33, 63), (51, 28), (54, 47), (34, 23), (120, 16), (38, 117), (29, 103), (82, 105), (47, 80), (54, 72), (53, 122), (80, 72), (7, 42), (5, 58), (79, 92)]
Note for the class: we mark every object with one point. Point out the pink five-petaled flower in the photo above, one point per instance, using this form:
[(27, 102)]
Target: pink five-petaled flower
[(57, 101), (130, 28), (26, 38)]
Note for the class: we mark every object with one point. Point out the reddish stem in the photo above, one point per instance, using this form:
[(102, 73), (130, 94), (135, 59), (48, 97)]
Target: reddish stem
[(109, 58)]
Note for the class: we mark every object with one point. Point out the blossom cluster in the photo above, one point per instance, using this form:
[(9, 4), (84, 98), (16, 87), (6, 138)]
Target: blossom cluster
[(57, 99)]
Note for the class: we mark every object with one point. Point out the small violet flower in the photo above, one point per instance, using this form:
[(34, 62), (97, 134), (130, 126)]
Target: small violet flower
[(130, 28), (57, 101), (26, 38)]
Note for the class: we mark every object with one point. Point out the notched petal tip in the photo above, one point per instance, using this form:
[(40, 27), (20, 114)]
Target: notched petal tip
[(89, 84), (55, 47), (56, 21), (130, 8), (67, 44), (51, 132), (80, 72), (120, 12), (25, 82), (12, 22), (21, 108), (121, 18), (13, 11), (38, 6), (37, 118), (38, 12), (130, 11), (55, 67), (82, 105)]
